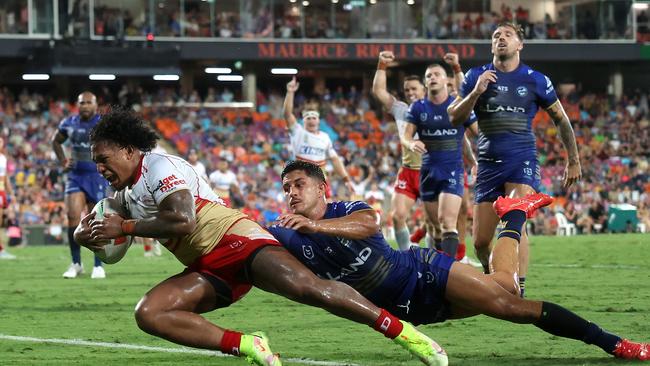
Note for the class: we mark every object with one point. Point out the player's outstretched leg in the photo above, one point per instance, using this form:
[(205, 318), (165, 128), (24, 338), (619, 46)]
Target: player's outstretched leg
[(421, 346), (255, 347), (629, 350)]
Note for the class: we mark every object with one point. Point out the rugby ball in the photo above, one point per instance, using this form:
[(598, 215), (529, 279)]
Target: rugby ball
[(114, 249)]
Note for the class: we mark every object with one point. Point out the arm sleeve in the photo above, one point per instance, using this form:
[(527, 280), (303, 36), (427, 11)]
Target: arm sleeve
[(164, 178), (347, 207), (413, 113), (63, 127), (468, 84), (399, 109), (471, 119), (544, 90)]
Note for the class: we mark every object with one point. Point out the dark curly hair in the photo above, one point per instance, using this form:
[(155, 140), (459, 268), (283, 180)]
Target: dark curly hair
[(311, 169), (123, 127)]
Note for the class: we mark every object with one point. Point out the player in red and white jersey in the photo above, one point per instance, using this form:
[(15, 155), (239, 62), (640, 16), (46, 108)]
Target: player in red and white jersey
[(309, 143), (5, 192), (223, 181), (225, 252)]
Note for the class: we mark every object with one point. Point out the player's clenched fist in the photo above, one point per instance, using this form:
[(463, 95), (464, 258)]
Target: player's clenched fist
[(293, 85), (451, 59)]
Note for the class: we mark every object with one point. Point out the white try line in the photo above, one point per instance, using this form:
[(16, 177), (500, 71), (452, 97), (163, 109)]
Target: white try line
[(80, 342)]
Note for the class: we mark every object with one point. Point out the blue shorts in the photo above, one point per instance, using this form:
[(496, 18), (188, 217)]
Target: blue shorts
[(492, 177), (437, 179), (427, 303), (92, 184)]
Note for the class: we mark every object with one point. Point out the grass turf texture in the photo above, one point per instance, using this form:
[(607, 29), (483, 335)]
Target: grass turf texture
[(603, 278)]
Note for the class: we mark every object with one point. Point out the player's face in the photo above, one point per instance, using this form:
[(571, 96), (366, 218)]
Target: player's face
[(303, 193), (311, 124), (87, 104), (413, 90), (435, 79), (505, 42), (114, 163), (222, 166)]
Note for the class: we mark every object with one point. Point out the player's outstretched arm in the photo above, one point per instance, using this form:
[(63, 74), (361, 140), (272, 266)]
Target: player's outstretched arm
[(379, 89), (573, 170), (292, 87), (357, 225), (409, 142), (460, 109), (175, 218), (452, 60)]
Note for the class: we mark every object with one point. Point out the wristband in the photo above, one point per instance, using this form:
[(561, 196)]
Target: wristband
[(128, 227), (381, 65), (457, 69)]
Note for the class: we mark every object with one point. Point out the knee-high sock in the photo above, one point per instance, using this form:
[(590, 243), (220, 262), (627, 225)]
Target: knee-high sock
[(450, 243), (564, 323), (75, 249), (402, 237)]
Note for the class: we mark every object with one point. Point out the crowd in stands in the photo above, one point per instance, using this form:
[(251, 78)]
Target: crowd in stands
[(613, 137)]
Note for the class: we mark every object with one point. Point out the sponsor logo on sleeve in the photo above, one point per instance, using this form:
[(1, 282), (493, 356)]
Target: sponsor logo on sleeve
[(169, 183)]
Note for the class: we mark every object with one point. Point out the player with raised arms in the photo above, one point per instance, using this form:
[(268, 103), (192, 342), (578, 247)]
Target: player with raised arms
[(225, 252), (308, 142), (422, 285), (506, 95)]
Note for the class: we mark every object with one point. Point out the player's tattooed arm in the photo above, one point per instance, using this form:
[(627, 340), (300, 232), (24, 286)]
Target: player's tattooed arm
[(573, 171)]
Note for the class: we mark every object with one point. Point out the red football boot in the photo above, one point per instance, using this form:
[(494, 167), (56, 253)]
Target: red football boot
[(632, 350), (529, 204), (418, 235)]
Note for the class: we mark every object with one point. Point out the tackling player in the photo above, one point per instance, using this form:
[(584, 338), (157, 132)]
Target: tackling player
[(309, 143), (441, 144), (225, 252), (84, 186), (506, 95), (343, 241)]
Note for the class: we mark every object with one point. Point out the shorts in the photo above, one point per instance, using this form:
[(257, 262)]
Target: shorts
[(408, 182), (3, 200), (427, 303), (492, 177), (91, 184), (438, 179), (226, 266)]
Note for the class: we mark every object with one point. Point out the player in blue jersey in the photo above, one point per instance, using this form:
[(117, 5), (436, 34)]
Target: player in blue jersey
[(441, 144), (343, 241), (506, 95), (84, 185)]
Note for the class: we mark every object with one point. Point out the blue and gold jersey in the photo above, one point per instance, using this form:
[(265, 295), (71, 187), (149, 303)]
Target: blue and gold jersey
[(77, 132), (506, 110)]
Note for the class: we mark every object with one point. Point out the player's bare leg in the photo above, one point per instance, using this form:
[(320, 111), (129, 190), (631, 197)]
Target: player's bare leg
[(448, 208), (461, 224), (484, 225), (433, 231), (401, 209), (521, 190)]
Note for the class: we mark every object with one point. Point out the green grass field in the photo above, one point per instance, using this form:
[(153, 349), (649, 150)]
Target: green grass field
[(603, 278)]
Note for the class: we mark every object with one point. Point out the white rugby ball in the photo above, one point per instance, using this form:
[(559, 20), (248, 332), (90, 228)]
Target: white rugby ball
[(114, 249)]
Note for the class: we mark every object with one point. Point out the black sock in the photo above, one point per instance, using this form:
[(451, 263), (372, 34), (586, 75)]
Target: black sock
[(522, 286), (449, 243), (564, 323), (75, 249), (437, 243), (512, 223)]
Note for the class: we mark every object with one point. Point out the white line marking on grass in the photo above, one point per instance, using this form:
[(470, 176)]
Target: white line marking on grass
[(80, 342), (592, 266)]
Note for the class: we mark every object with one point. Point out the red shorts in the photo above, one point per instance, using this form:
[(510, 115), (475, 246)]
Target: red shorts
[(408, 182), (3, 200), (226, 201), (228, 260)]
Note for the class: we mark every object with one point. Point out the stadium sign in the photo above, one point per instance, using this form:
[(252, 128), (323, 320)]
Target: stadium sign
[(365, 51)]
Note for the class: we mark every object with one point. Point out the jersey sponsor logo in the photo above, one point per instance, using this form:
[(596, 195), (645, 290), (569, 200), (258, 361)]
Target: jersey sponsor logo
[(502, 88), (236, 244), (522, 91), (503, 108), (549, 90), (167, 184), (440, 132), (359, 261), (401, 184), (310, 150), (308, 251)]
